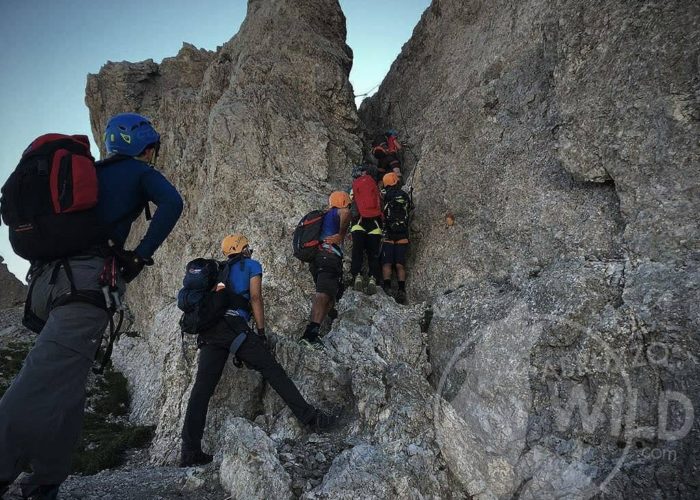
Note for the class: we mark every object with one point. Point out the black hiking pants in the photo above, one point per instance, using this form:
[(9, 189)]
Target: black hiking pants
[(213, 353), (366, 240), (370, 245)]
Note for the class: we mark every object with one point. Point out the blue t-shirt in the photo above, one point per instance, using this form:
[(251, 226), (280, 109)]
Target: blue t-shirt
[(331, 226), (239, 280)]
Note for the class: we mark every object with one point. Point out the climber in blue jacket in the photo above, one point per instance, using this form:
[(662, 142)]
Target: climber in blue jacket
[(41, 414)]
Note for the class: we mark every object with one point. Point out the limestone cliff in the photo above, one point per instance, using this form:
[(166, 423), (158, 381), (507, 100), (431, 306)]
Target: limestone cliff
[(561, 356), (12, 290), (562, 136), (254, 135)]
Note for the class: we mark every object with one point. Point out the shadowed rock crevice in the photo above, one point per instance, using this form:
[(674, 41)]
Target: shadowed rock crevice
[(548, 132)]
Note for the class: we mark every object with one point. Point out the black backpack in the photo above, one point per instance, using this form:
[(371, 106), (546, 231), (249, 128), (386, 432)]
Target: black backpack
[(307, 236), (396, 212), (202, 307), (49, 200)]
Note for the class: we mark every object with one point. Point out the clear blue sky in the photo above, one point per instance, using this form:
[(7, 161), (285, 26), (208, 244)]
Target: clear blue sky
[(47, 47)]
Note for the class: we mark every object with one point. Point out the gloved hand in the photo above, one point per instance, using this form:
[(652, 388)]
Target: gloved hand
[(263, 338), (131, 264)]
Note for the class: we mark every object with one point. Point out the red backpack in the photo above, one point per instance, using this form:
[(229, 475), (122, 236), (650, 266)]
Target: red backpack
[(366, 197), (48, 201), (392, 144)]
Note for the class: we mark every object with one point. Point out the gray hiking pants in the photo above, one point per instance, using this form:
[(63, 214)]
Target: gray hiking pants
[(41, 414)]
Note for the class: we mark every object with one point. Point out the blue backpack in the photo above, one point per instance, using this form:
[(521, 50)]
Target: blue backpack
[(200, 277), (202, 307)]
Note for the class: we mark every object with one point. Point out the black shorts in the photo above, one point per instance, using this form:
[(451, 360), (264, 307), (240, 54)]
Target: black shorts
[(394, 253), (327, 271)]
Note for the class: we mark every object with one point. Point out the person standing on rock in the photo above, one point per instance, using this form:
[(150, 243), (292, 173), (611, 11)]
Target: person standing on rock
[(233, 335), (327, 267), (397, 208), (41, 414), (366, 230)]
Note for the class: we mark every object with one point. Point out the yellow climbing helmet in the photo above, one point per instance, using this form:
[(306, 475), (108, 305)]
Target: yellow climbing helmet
[(339, 199), (233, 244)]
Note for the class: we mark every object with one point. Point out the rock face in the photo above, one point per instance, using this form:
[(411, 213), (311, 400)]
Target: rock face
[(563, 138), (557, 355), (13, 290), (251, 135), (254, 135)]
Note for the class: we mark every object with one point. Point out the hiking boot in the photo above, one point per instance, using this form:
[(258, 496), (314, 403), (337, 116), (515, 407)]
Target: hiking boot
[(359, 284), (314, 344), (40, 491), (323, 422), (401, 297), (371, 286), (196, 457)]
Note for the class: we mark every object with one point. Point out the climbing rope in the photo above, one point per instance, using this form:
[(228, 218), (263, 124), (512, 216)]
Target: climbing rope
[(365, 94)]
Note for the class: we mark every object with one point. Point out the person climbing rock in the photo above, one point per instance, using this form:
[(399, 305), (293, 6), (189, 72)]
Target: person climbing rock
[(41, 414), (366, 230), (241, 288), (393, 146), (386, 161), (397, 208), (327, 266), (368, 168)]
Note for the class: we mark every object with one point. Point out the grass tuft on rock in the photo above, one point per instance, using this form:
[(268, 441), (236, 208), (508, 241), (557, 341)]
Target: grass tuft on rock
[(11, 358), (107, 433)]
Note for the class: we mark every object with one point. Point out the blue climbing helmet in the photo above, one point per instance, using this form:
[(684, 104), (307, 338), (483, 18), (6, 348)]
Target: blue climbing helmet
[(129, 134), (358, 170)]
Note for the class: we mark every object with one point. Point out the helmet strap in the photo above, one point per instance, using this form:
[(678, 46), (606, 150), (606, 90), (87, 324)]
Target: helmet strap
[(156, 150)]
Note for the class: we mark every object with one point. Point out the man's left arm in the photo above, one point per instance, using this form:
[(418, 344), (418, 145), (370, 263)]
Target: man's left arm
[(169, 207), (345, 217), (256, 303)]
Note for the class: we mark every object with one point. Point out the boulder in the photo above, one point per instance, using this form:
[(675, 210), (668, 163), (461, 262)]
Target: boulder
[(560, 140), (13, 290)]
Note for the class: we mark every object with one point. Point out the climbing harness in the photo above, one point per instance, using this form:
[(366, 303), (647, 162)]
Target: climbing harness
[(113, 304), (106, 298)]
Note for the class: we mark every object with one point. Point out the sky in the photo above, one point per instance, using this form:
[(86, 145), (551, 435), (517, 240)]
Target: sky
[(47, 48)]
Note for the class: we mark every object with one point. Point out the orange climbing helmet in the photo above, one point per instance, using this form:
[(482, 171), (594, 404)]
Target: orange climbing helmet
[(390, 179), (379, 151), (233, 244), (339, 199)]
